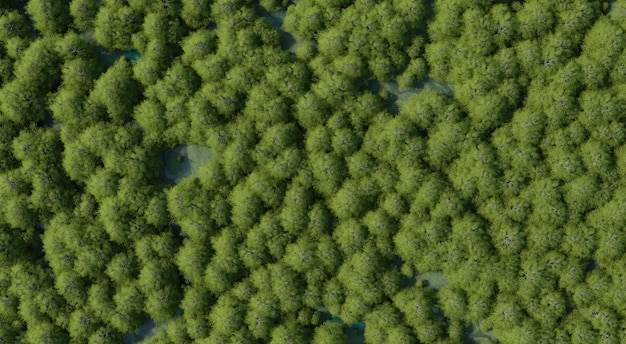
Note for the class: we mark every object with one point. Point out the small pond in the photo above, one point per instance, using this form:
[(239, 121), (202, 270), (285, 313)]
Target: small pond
[(276, 18), (399, 96), (354, 332), (183, 161), (108, 58), (473, 335), (105, 57), (149, 329), (435, 279)]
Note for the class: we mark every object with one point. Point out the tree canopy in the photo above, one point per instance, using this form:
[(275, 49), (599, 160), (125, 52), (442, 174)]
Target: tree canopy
[(413, 167)]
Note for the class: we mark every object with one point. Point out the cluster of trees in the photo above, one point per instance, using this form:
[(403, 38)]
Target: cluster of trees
[(513, 188)]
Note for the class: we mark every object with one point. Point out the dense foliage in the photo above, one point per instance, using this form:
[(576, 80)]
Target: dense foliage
[(515, 187)]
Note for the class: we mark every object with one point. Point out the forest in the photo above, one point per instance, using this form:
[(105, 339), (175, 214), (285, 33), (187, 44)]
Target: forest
[(312, 171)]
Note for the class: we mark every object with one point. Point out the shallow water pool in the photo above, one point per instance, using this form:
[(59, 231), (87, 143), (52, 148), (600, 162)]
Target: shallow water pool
[(183, 161)]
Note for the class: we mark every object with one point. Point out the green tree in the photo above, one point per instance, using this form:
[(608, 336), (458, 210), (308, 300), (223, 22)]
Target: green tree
[(604, 36), (157, 275), (579, 328), (329, 170), (82, 324), (353, 199), (382, 319), (380, 223), (49, 17), (197, 327), (351, 65), (543, 237), (345, 142), (6, 70), (73, 46), (212, 176), (197, 45), (535, 19), (150, 115), (528, 126), (160, 26), (266, 106), (610, 245), (114, 26), (409, 245), (417, 305), (260, 324), (329, 333), (573, 274), (334, 89), (212, 68), (247, 206), (294, 213), (72, 287), (123, 267), (334, 295), (548, 205), (21, 103), (291, 79), (332, 42), (84, 13), (507, 312), (179, 81), (161, 304), (311, 110), (192, 258), (585, 193), (149, 69), (68, 108), (196, 13), (117, 91), (475, 173), (227, 315), (394, 204), (444, 143), (448, 22), (319, 140), (14, 24), (105, 335), (288, 286), (319, 219), (276, 139), (287, 164), (301, 255), (361, 164), (597, 158), (46, 332), (304, 21), (80, 74), (225, 267), (102, 184), (129, 299), (196, 301), (101, 299), (290, 332), (19, 213)]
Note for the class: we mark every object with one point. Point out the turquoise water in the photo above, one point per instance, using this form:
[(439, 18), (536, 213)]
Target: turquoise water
[(474, 335), (149, 329), (183, 161), (132, 55), (354, 332), (108, 58), (105, 57)]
